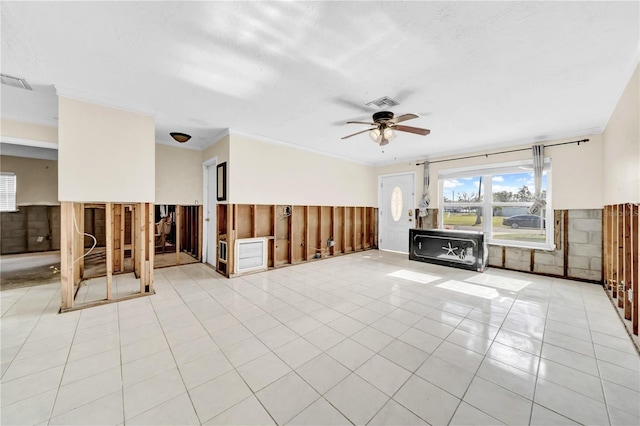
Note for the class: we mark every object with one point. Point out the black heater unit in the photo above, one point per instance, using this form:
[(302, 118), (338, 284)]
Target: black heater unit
[(459, 249)]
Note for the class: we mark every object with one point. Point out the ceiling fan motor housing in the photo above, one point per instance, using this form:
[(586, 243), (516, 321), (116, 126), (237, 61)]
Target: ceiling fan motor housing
[(381, 116)]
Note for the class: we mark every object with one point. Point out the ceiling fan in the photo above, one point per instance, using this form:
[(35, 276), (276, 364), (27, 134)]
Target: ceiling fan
[(385, 125)]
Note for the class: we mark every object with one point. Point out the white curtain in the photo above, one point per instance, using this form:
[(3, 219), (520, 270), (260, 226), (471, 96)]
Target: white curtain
[(424, 203), (538, 168)]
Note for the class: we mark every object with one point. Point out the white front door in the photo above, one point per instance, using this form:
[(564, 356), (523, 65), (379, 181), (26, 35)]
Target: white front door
[(396, 201), (210, 214)]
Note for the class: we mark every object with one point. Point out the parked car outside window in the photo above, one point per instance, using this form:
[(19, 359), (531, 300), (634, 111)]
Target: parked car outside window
[(524, 221)]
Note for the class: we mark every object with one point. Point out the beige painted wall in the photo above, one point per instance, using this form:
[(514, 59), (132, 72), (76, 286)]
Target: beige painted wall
[(178, 175), (36, 180), (576, 172), (105, 154), (221, 151), (622, 147), (270, 173), (36, 132)]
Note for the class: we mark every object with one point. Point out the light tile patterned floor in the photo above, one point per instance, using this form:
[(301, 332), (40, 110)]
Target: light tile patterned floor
[(368, 338)]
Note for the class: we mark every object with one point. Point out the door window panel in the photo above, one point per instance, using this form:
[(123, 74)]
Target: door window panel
[(396, 203)]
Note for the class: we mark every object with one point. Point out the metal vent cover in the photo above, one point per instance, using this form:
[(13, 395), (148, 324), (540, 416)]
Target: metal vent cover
[(384, 101), (14, 82)]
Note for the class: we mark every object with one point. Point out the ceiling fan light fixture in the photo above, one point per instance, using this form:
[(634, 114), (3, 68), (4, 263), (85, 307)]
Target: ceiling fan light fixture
[(375, 135), (389, 134), (180, 137)]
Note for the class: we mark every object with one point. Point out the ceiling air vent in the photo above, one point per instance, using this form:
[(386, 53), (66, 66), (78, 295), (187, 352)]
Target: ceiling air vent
[(15, 82), (383, 102)]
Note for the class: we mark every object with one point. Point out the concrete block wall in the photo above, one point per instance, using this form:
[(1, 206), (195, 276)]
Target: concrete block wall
[(495, 256), (585, 244), (13, 237), (584, 256), (549, 262), (31, 229)]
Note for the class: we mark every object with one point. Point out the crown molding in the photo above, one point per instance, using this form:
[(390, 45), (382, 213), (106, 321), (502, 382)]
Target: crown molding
[(67, 92), (29, 142), (273, 141)]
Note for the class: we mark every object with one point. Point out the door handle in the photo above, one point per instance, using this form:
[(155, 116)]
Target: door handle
[(206, 220)]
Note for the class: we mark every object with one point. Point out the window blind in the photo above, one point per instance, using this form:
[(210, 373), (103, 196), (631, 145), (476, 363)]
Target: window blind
[(7, 192)]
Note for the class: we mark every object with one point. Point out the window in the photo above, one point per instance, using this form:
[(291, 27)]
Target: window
[(396, 203), (7, 192), (500, 201)]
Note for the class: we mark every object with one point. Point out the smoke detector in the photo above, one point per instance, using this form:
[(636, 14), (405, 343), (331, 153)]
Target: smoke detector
[(15, 82)]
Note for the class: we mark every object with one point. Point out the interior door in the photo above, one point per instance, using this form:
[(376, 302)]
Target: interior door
[(396, 201), (210, 215)]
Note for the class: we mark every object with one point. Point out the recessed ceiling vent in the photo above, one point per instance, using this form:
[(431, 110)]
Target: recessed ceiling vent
[(15, 82), (383, 102)]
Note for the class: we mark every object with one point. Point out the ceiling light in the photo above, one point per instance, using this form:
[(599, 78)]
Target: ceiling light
[(389, 134), (180, 137), (376, 134)]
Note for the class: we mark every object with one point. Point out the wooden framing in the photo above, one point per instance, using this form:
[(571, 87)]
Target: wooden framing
[(620, 259), (635, 276), (628, 251), (621, 268), (297, 233), (73, 251), (110, 246), (565, 242), (178, 232)]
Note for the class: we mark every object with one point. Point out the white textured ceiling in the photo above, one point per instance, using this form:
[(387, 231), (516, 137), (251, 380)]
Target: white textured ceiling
[(481, 74)]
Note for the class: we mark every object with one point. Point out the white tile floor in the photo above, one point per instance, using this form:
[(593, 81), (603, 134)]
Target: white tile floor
[(368, 338)]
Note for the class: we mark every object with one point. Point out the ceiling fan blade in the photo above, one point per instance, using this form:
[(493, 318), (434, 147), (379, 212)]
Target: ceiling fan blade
[(363, 131), (403, 117), (361, 122), (416, 130)]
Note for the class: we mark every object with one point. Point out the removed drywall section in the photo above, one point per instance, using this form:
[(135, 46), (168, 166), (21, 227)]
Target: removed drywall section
[(578, 252), (28, 131), (178, 175), (584, 259), (270, 173), (290, 234), (36, 180), (621, 149), (105, 154)]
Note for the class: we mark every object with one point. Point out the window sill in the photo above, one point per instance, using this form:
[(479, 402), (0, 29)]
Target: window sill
[(543, 247)]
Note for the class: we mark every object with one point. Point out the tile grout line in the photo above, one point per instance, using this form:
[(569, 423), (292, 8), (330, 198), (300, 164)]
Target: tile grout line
[(55, 400), (234, 368)]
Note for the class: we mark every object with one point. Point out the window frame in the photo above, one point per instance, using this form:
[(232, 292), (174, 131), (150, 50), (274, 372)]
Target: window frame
[(487, 172), (11, 199)]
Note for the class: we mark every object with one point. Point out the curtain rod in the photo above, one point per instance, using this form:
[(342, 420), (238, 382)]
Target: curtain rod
[(501, 152)]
